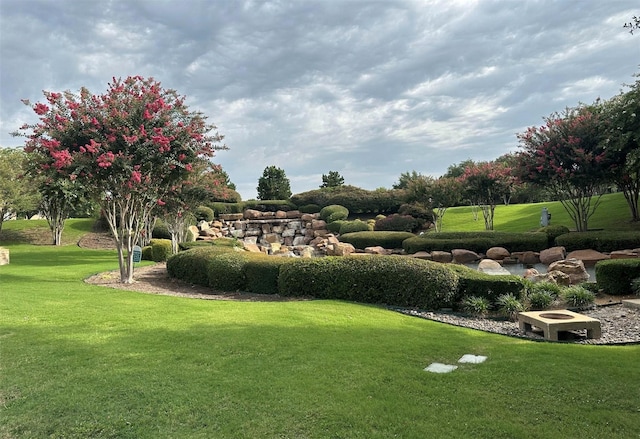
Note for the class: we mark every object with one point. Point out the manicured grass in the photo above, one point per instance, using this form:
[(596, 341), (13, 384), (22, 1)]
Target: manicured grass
[(81, 361), (37, 231), (612, 214)]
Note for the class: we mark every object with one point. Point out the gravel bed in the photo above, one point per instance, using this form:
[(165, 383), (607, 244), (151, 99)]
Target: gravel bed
[(620, 325)]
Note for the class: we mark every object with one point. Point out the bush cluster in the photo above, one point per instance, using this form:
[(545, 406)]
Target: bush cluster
[(478, 242), (355, 199), (601, 241), (478, 284), (226, 208), (371, 279), (399, 223), (192, 265), (204, 213), (362, 240), (160, 249), (552, 233), (353, 226), (270, 205), (309, 208), (160, 231), (614, 276)]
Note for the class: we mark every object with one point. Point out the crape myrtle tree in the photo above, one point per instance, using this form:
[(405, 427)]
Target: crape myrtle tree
[(567, 156), (16, 194), (273, 185), (487, 183), (127, 147), (333, 179), (621, 125), (444, 192)]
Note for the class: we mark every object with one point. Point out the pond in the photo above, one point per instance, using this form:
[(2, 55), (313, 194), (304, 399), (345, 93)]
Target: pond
[(520, 269)]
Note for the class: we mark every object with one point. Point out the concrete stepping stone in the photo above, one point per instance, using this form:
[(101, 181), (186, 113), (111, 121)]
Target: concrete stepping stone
[(440, 368), (474, 359)]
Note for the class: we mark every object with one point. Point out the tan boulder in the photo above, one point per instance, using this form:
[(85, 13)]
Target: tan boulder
[(253, 248), (553, 254), (422, 255), (317, 224), (340, 249), (528, 257), (308, 216), (281, 214), (252, 214), (588, 257), (625, 254), (4, 256), (489, 266), (462, 256), (193, 233), (498, 253), (377, 250), (231, 216), (440, 256), (574, 268)]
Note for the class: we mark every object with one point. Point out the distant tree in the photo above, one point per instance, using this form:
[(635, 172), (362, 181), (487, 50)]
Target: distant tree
[(418, 189), (333, 179), (457, 170), (487, 183), (16, 194), (406, 178), (444, 192), (273, 185), (128, 148), (567, 156)]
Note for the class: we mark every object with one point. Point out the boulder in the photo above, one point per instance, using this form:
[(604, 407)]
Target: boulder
[(588, 257), (203, 225), (553, 254), (440, 256), (308, 216), (281, 214), (529, 258), (574, 268), (498, 253), (253, 248), (4, 256), (625, 254), (377, 250), (252, 214), (293, 214), (422, 255), (462, 256), (489, 266), (271, 238), (318, 224), (193, 233), (231, 216), (340, 249)]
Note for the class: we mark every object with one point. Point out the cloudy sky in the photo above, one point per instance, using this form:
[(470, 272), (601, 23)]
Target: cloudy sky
[(370, 89)]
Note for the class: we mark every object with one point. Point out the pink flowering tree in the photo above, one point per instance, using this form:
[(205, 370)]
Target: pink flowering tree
[(568, 157), (127, 148), (444, 192), (487, 183)]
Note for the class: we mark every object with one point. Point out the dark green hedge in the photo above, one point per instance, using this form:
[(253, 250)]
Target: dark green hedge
[(602, 241), (191, 265), (261, 273), (223, 208), (553, 232), (160, 231), (356, 199), (353, 226), (226, 271), (478, 242), (334, 212), (474, 283), (160, 249), (362, 240), (204, 213), (614, 276), (390, 280), (270, 205)]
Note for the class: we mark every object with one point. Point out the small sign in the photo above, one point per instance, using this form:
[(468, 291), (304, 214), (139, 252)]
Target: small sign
[(137, 253)]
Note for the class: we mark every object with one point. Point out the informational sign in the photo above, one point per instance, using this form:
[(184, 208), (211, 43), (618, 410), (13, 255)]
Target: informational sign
[(137, 253)]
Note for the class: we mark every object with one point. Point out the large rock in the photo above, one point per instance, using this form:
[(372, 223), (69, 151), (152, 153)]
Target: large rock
[(462, 256), (293, 214), (231, 216), (489, 266), (498, 253), (529, 258), (340, 249), (574, 268), (422, 255), (588, 257), (556, 277), (377, 250), (252, 214), (281, 214), (625, 254), (4, 256), (318, 224), (553, 254), (440, 256), (194, 232)]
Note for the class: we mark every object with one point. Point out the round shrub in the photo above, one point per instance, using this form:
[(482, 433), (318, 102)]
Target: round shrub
[(334, 212), (399, 223), (160, 231), (334, 227), (353, 226), (553, 232), (226, 271), (147, 253), (416, 211), (161, 249), (191, 265), (204, 213), (389, 280)]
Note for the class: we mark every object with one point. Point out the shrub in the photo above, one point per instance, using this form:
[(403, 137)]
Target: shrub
[(269, 205), (614, 276), (161, 249), (479, 242), (353, 226), (476, 306), (355, 199), (550, 288), (552, 233), (225, 208), (578, 297), (261, 273), (371, 279), (509, 306), (160, 231), (635, 286), (226, 271), (540, 300), (474, 283), (191, 265), (147, 253), (334, 227), (602, 241), (416, 211), (333, 213), (399, 223), (309, 208), (204, 213), (220, 242), (362, 240)]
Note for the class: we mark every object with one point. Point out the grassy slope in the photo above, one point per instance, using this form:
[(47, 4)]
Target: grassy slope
[(82, 361)]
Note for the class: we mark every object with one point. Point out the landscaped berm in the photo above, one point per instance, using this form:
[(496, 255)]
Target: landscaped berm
[(84, 361)]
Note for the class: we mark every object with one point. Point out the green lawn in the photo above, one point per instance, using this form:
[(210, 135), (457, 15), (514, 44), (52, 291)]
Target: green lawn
[(82, 361)]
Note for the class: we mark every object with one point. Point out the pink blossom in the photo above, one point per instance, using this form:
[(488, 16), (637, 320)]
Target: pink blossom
[(161, 203), (136, 177), (40, 109)]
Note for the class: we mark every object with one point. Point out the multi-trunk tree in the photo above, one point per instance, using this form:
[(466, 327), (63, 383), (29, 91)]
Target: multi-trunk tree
[(568, 157), (16, 193), (127, 148)]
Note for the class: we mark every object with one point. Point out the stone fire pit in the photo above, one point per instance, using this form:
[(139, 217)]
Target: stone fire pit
[(552, 322)]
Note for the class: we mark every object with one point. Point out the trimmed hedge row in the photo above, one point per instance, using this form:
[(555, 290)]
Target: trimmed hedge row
[(614, 276), (362, 240), (371, 279), (475, 283), (478, 242), (601, 241)]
